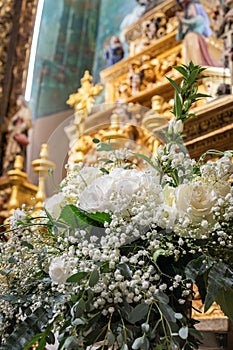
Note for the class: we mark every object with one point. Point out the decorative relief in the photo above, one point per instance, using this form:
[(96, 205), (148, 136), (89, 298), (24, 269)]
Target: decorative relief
[(146, 73), (151, 30), (207, 123), (221, 140), (168, 8), (6, 18), (22, 51)]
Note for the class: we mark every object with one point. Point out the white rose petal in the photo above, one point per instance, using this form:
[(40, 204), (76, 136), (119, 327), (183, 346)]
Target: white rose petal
[(59, 270)]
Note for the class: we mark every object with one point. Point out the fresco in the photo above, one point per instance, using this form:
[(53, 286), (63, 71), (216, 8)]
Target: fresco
[(73, 35), (66, 48)]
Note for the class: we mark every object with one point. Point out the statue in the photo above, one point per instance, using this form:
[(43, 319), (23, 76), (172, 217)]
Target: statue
[(17, 134), (114, 52), (194, 27)]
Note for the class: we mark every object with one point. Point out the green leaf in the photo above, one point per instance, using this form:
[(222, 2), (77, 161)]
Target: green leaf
[(148, 160), (110, 338), (26, 244), (193, 76), (27, 330), (124, 347), (71, 343), (106, 160), (94, 278), (181, 70), (99, 217), (125, 271), (77, 276), (137, 343), (78, 218), (220, 279), (198, 267), (101, 146), (174, 84), (78, 309), (138, 313), (224, 300), (177, 106), (167, 312), (162, 297)]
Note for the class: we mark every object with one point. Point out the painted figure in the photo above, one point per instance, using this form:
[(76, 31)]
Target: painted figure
[(114, 53), (194, 27)]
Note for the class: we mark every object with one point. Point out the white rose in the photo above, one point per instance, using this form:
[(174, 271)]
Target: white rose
[(89, 174), (54, 205), (196, 199), (167, 214), (95, 197), (114, 191), (59, 270)]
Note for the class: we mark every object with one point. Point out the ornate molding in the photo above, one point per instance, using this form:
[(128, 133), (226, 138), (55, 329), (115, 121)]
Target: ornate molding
[(6, 21), (17, 21)]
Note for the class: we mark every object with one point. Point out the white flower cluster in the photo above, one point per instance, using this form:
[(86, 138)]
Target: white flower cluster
[(148, 220)]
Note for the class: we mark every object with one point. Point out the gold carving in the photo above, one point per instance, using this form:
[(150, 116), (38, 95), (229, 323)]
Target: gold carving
[(15, 190), (83, 100), (14, 50)]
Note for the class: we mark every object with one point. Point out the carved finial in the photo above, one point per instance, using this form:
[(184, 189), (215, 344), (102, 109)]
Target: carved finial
[(18, 164), (44, 152), (16, 177), (42, 166)]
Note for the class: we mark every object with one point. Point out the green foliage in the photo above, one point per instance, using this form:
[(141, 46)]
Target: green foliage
[(186, 94)]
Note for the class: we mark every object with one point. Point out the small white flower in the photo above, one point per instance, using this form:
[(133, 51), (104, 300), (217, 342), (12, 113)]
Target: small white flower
[(59, 270)]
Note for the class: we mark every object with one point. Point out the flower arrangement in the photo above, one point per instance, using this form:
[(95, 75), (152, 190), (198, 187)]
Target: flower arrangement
[(112, 260)]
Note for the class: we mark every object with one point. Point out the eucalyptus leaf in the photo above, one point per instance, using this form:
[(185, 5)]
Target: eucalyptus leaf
[(124, 347), (110, 338), (27, 330), (220, 279), (198, 267), (71, 343), (125, 270), (94, 278), (137, 343), (78, 309), (168, 312), (78, 322), (138, 313), (101, 146), (183, 332)]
